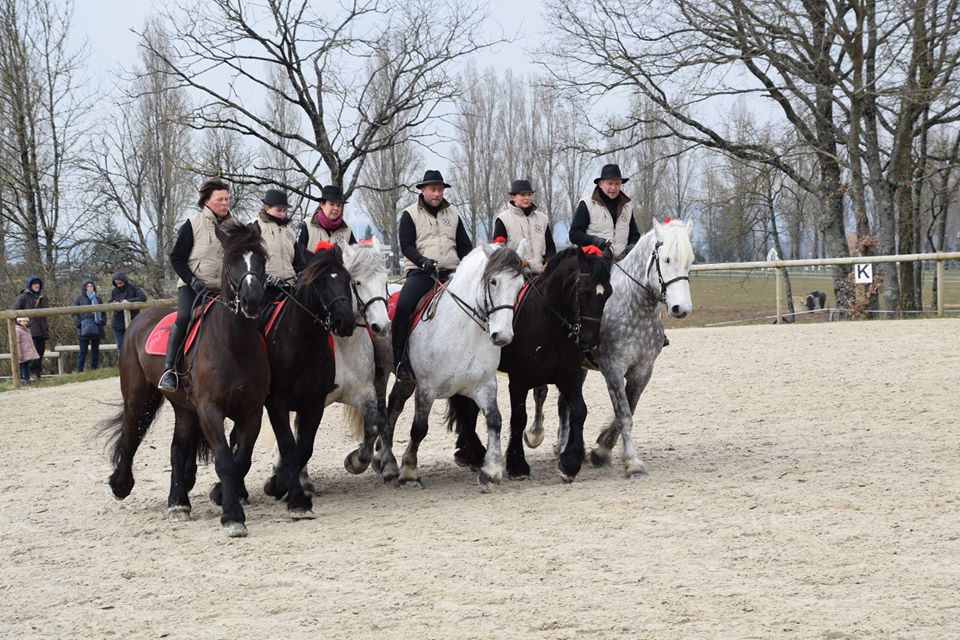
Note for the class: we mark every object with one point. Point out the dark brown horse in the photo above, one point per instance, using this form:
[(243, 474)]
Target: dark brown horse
[(303, 368), (228, 377), (557, 322)]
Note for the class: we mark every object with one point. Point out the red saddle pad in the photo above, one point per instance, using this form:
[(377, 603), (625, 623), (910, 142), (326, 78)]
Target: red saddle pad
[(420, 308), (160, 336)]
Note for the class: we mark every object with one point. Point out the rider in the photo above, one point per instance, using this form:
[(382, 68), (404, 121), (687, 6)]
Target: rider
[(327, 223), (605, 219), (522, 219), (433, 240), (197, 258), (284, 255)]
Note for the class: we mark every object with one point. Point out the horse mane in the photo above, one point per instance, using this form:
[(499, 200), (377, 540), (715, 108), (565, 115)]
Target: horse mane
[(599, 266), (365, 261), (503, 259), (676, 243), (320, 262), (239, 238)]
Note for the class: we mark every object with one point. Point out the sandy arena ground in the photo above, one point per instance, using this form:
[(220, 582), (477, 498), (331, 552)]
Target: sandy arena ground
[(803, 484)]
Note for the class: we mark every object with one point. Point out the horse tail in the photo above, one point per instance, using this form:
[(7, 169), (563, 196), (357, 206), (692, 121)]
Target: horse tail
[(113, 427), (353, 419), (204, 452), (461, 414)]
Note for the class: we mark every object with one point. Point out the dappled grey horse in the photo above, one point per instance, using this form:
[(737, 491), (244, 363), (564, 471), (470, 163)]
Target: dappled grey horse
[(631, 334)]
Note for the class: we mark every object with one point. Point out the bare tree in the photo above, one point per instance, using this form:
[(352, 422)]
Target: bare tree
[(224, 50), (223, 153)]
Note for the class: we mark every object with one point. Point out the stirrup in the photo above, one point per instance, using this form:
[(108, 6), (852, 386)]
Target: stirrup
[(172, 381), (404, 372)]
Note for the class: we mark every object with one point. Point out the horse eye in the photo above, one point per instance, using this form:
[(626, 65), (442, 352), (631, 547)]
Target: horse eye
[(493, 282), (667, 260)]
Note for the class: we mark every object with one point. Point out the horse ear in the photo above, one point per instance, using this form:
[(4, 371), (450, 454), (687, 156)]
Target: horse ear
[(522, 247), (689, 225), (377, 245), (488, 249), (349, 251), (657, 228)]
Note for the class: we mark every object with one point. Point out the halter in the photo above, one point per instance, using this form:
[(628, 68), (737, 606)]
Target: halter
[(574, 328), (327, 320), (655, 260), (234, 305), (480, 317)]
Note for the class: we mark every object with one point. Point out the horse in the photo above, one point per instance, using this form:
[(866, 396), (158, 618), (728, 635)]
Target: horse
[(455, 352), (557, 321), (655, 271), (355, 369), (303, 368), (228, 377)]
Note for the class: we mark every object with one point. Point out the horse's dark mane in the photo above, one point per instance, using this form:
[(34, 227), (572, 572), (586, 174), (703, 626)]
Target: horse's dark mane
[(503, 259), (599, 266), (239, 238), (320, 262)]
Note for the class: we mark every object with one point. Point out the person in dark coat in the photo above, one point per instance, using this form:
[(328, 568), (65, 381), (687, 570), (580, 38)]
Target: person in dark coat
[(89, 326), (123, 291), (33, 297)]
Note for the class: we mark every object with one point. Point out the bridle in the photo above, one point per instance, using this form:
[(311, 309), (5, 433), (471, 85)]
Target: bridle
[(363, 306), (481, 316), (660, 296), (325, 317), (573, 329), (234, 305)]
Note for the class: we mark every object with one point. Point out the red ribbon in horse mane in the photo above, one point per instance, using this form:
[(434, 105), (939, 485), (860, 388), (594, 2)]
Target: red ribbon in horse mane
[(499, 240), (666, 220), (591, 250), (323, 245)]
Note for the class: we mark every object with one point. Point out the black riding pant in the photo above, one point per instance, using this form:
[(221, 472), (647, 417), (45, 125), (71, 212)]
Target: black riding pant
[(416, 286), (185, 299)]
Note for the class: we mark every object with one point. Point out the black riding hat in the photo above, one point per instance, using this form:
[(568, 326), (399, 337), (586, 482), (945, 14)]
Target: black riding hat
[(431, 176), (520, 186), (275, 198), (610, 172), (332, 193)]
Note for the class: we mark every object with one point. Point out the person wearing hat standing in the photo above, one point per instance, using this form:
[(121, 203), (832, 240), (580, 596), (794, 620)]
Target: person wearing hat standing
[(327, 224), (27, 351), (605, 219), (284, 255), (123, 291), (197, 259), (433, 240), (33, 297), (522, 219)]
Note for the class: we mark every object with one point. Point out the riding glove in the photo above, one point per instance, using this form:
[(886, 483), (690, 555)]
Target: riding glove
[(198, 286)]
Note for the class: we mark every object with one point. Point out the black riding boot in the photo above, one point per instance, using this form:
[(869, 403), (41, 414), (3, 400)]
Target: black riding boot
[(169, 379)]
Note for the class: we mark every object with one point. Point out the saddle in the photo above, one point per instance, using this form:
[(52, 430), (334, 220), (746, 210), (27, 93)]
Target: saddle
[(157, 340), (428, 303)]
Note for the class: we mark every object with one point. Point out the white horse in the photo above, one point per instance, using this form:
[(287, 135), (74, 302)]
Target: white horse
[(355, 369), (455, 352), (656, 271)]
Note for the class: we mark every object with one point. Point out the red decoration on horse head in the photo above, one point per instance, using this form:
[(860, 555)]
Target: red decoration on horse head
[(591, 250), (323, 245), (667, 220), (499, 240)]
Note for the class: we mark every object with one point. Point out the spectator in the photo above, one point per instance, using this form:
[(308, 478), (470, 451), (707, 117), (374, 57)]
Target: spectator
[(89, 326), (33, 297), (28, 352), (123, 291)]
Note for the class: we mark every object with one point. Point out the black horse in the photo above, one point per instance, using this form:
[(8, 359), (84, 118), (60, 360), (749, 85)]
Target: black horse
[(303, 368), (228, 377), (557, 323)]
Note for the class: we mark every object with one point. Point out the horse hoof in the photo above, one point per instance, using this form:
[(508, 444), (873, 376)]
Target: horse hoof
[(354, 463), (599, 457), (566, 479), (235, 530), (488, 482), (377, 464), (412, 483), (121, 488), (216, 494), (178, 514), (533, 439), (518, 476), (301, 514), (272, 488), (634, 469)]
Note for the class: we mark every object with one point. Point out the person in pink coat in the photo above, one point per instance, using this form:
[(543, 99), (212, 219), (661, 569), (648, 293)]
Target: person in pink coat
[(28, 352)]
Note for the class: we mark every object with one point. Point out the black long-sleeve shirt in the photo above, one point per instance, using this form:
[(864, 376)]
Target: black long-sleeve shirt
[(180, 253), (407, 232), (581, 220)]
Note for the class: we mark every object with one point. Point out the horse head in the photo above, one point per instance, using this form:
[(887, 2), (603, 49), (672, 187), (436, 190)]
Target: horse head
[(671, 261), (244, 266), (500, 284), (369, 273), (593, 290), (326, 277)]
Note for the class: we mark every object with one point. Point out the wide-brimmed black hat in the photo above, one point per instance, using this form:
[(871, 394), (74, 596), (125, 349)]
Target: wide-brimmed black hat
[(610, 172), (520, 186), (276, 198), (332, 193), (430, 176)]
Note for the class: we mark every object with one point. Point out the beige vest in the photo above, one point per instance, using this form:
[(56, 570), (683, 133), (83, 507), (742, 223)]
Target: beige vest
[(279, 242), (532, 227), (206, 257), (602, 225), (436, 236), (316, 233)]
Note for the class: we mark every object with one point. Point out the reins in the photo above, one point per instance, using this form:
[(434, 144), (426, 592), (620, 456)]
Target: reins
[(654, 260)]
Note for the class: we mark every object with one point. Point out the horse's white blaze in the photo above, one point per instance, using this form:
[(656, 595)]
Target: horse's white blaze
[(600, 289), (247, 261)]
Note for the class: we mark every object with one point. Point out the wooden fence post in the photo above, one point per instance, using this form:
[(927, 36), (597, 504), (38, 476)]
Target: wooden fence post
[(940, 284), (779, 295)]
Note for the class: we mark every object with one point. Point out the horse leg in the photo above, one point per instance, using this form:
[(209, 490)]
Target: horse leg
[(563, 430), (358, 460), (409, 473), (401, 392), (233, 517), (533, 436), (600, 454), (491, 474), (571, 456), (517, 467), (381, 375), (299, 504), (637, 380), (470, 450), (286, 471), (183, 452), (244, 435), (141, 401)]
